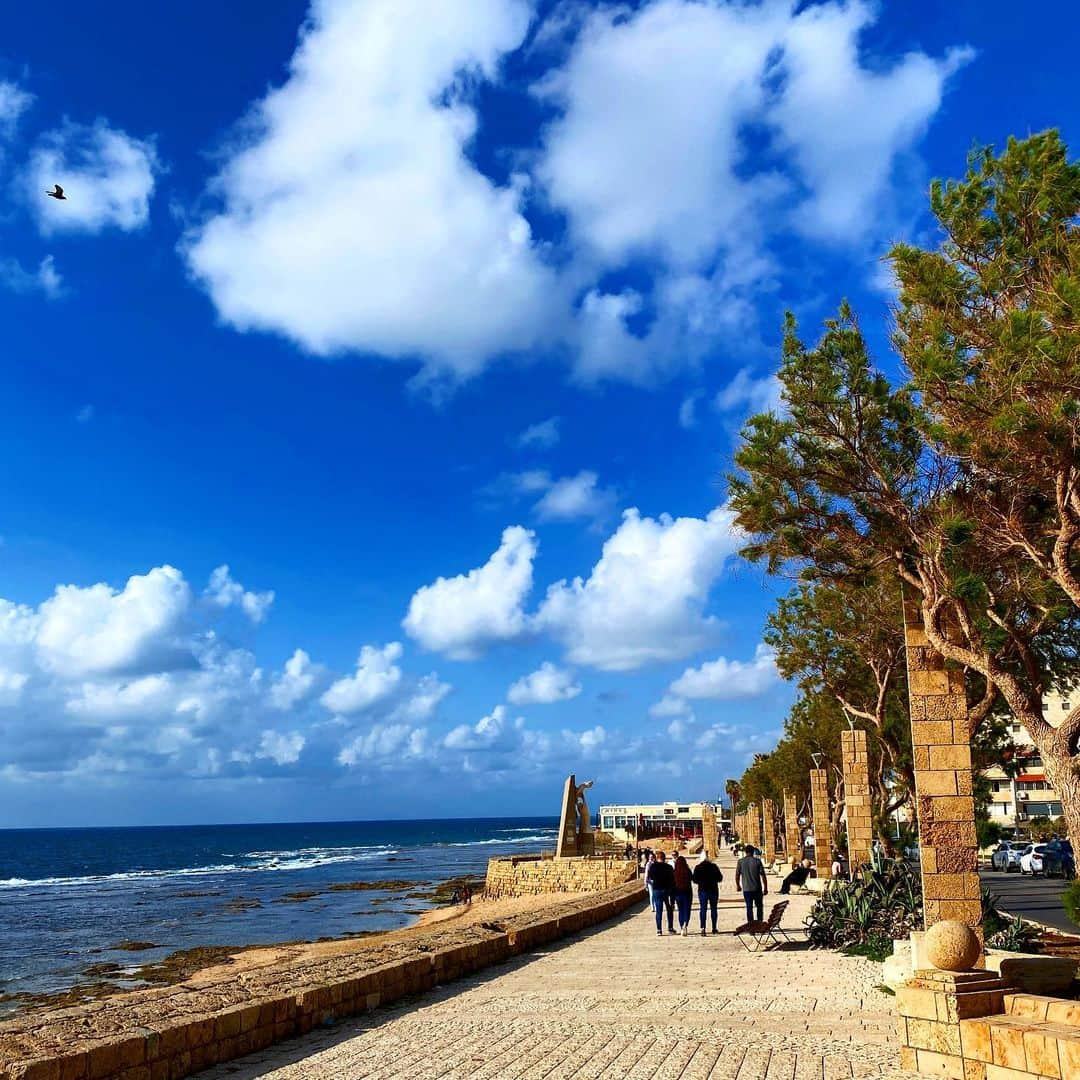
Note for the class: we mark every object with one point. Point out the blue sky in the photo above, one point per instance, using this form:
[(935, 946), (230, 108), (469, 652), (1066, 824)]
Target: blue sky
[(434, 325)]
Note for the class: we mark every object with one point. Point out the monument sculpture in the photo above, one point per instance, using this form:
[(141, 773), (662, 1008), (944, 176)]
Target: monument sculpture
[(575, 826)]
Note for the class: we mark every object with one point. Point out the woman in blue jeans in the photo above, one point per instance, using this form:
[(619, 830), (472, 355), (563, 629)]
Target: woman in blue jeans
[(661, 882), (683, 892)]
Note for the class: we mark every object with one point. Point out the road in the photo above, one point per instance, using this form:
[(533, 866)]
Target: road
[(1038, 899)]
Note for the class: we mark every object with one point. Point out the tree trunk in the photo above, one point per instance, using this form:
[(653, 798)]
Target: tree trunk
[(1061, 771)]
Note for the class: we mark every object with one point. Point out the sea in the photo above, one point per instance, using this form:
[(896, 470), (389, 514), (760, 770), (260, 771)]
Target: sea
[(70, 897)]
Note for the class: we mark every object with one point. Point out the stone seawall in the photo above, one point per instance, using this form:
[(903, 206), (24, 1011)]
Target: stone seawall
[(532, 876), (173, 1032)]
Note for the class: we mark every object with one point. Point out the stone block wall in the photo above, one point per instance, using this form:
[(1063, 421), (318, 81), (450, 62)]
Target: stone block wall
[(768, 830), (792, 833), (860, 814), (819, 797), (173, 1032), (532, 876), (941, 749)]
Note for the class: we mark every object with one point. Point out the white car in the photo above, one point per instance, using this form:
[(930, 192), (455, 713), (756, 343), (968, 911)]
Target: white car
[(1007, 856), (1031, 861)]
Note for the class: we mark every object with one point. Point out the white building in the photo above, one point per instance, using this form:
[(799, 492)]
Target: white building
[(658, 819)]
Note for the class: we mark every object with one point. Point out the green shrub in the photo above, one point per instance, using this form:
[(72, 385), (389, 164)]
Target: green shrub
[(884, 906), (1015, 936), (1070, 900)]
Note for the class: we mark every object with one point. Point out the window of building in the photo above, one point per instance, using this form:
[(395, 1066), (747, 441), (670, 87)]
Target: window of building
[(1046, 707), (997, 785), (1016, 729), (1066, 706)]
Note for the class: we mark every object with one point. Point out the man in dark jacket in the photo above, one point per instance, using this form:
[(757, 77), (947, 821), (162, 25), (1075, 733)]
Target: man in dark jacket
[(707, 878), (684, 887), (751, 881), (661, 879)]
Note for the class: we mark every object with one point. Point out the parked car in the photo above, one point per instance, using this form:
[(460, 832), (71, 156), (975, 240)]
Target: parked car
[(1006, 856), (1031, 861), (1058, 860)]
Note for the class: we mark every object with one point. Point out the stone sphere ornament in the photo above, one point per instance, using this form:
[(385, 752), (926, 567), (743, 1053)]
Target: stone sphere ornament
[(952, 946)]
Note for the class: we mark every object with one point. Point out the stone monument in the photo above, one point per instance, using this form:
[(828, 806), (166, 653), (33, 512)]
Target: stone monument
[(575, 825), (768, 831)]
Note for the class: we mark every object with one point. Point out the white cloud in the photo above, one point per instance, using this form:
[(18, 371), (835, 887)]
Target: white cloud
[(644, 155), (688, 410), (461, 615), (399, 742), (283, 748), (750, 395), (107, 175), (377, 676), (423, 700), (574, 497), (351, 217), (542, 435), (45, 279), (720, 680), (488, 733), (545, 686), (649, 153), (14, 101), (12, 684), (845, 124), (101, 630), (296, 681), (226, 592), (644, 600)]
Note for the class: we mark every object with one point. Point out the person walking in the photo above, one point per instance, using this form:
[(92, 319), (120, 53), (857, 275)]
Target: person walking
[(684, 883), (750, 879), (707, 878), (660, 880), (648, 882)]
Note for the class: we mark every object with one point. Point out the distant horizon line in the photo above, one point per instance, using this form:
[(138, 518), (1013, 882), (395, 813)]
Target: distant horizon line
[(265, 824)]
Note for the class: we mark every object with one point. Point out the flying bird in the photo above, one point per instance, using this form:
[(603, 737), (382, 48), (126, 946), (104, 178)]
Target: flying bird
[(58, 193)]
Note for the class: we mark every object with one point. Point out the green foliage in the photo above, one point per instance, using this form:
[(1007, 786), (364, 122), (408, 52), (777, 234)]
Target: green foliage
[(1070, 901), (1015, 936), (884, 906), (875, 948)]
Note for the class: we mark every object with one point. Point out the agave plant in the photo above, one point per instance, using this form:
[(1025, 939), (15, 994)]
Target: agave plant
[(884, 905)]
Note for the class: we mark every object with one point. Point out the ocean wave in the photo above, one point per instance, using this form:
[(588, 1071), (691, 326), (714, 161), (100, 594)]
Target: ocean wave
[(264, 862), (533, 838)]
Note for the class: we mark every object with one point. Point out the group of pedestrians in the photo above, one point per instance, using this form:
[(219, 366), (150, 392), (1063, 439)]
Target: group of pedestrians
[(671, 886)]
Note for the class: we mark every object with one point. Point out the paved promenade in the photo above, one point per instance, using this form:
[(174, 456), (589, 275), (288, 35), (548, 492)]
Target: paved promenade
[(619, 1003)]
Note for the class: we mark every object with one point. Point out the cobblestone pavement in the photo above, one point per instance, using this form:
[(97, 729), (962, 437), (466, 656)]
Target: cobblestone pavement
[(619, 1003)]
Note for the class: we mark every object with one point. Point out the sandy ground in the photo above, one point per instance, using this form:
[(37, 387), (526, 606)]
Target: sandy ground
[(442, 918)]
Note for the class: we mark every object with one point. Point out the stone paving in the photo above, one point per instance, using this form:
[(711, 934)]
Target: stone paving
[(619, 1003)]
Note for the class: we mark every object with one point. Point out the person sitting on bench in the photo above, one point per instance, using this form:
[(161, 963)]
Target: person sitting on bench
[(797, 877)]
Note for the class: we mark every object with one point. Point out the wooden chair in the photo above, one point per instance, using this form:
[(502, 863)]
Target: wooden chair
[(761, 932)]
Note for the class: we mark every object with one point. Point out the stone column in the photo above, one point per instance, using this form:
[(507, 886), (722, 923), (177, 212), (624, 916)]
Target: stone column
[(941, 748), (792, 833), (819, 799), (860, 820), (757, 825), (709, 842), (768, 829)]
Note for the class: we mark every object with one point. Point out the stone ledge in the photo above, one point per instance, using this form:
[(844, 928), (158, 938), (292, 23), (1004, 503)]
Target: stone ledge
[(172, 1032)]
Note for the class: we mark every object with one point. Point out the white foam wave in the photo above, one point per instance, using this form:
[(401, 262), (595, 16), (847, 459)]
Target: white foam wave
[(264, 861), (533, 838)]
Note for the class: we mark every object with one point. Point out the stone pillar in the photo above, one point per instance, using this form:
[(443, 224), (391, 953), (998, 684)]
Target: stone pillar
[(860, 819), (941, 748), (819, 799), (768, 829), (793, 848), (757, 827), (709, 839)]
